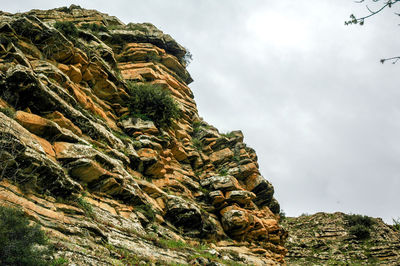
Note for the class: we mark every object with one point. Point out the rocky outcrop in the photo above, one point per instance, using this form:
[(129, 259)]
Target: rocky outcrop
[(328, 239), (108, 187)]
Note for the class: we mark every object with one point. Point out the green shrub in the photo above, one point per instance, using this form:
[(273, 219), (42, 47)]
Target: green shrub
[(147, 211), (86, 206), (67, 28), (197, 144), (357, 219), (196, 127), (151, 102), (8, 112), (172, 244), (223, 171), (282, 215), (94, 27), (228, 135), (359, 225), (360, 231), (19, 240), (59, 261)]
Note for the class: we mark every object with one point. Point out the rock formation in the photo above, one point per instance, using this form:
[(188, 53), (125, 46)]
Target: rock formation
[(111, 188), (328, 239)]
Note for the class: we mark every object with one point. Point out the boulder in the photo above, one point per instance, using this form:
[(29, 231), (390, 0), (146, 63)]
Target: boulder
[(131, 125), (183, 213), (262, 188), (223, 183), (242, 197), (221, 156), (22, 158)]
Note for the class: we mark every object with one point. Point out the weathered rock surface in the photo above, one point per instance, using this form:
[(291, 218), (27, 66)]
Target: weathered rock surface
[(108, 188), (326, 239)]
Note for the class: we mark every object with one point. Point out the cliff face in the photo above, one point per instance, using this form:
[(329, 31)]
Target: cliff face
[(110, 188), (336, 239)]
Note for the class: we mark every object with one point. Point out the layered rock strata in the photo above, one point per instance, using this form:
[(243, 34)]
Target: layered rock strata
[(327, 239), (110, 188)]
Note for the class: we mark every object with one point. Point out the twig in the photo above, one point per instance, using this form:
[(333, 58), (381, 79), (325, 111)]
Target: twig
[(394, 59)]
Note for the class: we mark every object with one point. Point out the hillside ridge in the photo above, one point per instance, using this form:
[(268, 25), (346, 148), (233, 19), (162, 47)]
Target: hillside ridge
[(341, 239)]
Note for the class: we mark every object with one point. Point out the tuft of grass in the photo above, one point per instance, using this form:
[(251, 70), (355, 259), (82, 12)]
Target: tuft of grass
[(94, 27), (124, 255), (147, 212), (86, 206), (228, 135), (223, 171), (396, 224), (8, 112), (197, 144), (172, 244), (61, 261)]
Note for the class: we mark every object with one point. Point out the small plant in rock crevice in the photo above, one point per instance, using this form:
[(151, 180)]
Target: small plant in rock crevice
[(197, 144), (396, 224), (228, 135), (85, 205), (8, 112), (147, 211), (67, 28), (223, 171), (151, 102), (93, 27)]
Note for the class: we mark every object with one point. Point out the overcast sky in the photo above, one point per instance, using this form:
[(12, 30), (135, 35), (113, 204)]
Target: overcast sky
[(308, 92)]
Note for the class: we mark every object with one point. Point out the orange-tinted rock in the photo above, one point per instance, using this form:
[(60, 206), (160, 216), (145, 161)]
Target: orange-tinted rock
[(217, 197), (87, 75), (105, 89), (47, 147), (179, 152), (86, 170), (64, 122), (157, 170), (36, 124), (75, 74), (222, 155)]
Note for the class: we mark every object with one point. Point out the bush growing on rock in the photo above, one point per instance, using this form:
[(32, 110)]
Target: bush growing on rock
[(151, 102), (93, 27), (67, 28), (357, 219), (360, 231), (359, 225), (19, 241), (8, 112)]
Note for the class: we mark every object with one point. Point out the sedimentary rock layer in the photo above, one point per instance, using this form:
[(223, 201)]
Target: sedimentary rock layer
[(111, 188)]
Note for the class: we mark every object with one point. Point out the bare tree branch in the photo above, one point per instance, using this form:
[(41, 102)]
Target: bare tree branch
[(360, 20), (393, 59)]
